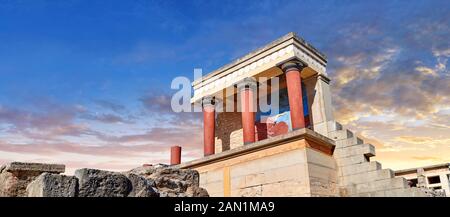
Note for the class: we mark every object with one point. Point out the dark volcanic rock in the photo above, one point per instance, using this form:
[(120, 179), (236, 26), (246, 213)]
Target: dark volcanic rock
[(141, 187), (43, 180), (171, 181), (99, 183), (53, 185)]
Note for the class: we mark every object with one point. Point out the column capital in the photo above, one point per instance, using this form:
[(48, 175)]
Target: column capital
[(292, 65), (208, 100), (246, 83)]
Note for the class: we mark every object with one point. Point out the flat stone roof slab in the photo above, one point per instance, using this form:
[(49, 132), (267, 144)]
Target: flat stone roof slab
[(35, 167)]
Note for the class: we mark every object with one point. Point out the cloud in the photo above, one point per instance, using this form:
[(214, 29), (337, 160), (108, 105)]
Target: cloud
[(55, 148), (161, 104), (189, 137), (106, 118), (413, 139), (427, 158), (113, 106), (31, 119), (45, 119)]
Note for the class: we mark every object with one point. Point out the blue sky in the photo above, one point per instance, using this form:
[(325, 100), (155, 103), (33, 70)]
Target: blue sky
[(82, 79)]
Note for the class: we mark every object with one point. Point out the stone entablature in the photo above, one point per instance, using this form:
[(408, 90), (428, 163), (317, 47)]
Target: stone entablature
[(264, 59)]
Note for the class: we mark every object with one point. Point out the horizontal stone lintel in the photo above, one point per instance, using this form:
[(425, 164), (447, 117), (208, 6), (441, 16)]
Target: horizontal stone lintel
[(35, 167)]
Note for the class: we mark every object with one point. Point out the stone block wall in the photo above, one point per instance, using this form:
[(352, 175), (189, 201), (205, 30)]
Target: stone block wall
[(280, 169), (360, 177)]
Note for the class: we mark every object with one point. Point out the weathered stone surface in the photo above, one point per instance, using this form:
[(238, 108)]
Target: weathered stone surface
[(142, 187), (53, 185), (99, 183), (42, 180), (195, 191), (15, 176), (34, 167), (172, 182)]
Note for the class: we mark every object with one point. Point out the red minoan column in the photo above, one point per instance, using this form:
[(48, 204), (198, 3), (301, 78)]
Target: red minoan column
[(209, 126), (294, 85), (175, 155), (247, 90)]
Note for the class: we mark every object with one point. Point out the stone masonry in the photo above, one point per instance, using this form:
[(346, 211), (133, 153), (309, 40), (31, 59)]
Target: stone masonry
[(358, 176), (44, 180)]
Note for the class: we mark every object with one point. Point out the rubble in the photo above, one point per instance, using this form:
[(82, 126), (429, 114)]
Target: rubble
[(44, 180)]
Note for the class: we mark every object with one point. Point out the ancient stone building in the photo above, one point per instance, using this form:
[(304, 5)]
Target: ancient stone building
[(435, 177), (300, 150)]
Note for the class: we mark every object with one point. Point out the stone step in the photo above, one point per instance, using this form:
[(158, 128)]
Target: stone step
[(407, 192), (366, 177), (340, 134), (357, 159), (359, 168), (34, 167), (382, 185), (348, 142), (334, 126), (367, 150)]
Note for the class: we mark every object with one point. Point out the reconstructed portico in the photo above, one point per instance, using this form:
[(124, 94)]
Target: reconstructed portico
[(295, 150), (298, 66)]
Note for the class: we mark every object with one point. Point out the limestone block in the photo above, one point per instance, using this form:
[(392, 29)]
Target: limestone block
[(366, 177), (343, 143), (255, 191), (286, 189), (34, 167), (319, 158), (407, 192), (254, 179), (320, 172), (99, 183), (298, 172), (334, 126), (214, 188), (340, 134), (211, 176), (380, 185), (370, 194), (289, 173), (239, 182), (346, 191), (15, 176), (236, 138), (53, 185), (378, 194), (357, 159), (365, 149), (270, 162), (323, 187), (12, 186), (359, 168)]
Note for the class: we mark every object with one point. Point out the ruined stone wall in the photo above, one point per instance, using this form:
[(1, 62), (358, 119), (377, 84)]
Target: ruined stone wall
[(44, 180)]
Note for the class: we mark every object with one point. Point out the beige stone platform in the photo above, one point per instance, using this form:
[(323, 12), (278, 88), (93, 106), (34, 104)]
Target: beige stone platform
[(299, 163)]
